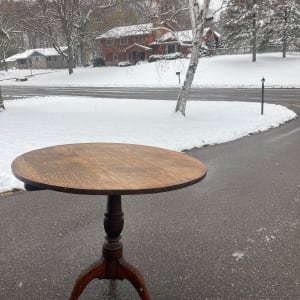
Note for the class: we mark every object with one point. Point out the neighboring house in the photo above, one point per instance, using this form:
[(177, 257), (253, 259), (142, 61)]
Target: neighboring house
[(44, 58), (181, 41), (138, 42), (173, 41), (127, 43)]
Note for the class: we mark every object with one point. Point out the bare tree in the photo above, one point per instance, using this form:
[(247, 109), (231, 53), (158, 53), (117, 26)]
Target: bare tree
[(63, 22), (7, 27), (199, 11), (167, 13), (163, 11), (4, 44)]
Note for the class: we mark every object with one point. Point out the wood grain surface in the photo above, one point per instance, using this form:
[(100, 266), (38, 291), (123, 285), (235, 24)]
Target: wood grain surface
[(107, 169)]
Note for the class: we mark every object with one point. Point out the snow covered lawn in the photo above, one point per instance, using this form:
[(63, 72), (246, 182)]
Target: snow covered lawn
[(39, 122), (217, 71)]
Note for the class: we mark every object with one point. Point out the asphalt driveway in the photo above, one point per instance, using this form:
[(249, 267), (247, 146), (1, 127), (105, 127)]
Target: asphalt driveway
[(235, 235)]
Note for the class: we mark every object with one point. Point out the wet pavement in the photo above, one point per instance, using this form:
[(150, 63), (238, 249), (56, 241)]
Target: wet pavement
[(235, 235)]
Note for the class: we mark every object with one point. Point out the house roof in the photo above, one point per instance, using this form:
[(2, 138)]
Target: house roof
[(28, 53), (116, 32), (181, 36), (184, 36)]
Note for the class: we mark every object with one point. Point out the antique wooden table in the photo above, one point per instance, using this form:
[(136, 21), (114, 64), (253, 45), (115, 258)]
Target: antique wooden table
[(110, 169)]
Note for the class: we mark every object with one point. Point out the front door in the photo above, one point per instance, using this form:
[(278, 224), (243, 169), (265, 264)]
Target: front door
[(135, 56), (141, 56)]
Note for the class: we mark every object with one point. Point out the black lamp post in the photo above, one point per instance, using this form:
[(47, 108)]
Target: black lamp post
[(178, 74), (262, 94)]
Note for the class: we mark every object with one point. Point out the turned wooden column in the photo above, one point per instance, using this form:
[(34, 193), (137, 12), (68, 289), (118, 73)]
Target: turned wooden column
[(113, 225)]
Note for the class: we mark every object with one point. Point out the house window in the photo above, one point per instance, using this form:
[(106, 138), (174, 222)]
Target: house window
[(138, 39), (37, 59), (109, 43), (172, 48), (51, 58), (115, 57), (124, 40)]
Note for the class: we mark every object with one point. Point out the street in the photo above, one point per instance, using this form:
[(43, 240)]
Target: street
[(235, 235), (278, 96)]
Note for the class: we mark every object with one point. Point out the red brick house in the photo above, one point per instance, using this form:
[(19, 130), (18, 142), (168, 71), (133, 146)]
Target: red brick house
[(138, 42), (127, 43)]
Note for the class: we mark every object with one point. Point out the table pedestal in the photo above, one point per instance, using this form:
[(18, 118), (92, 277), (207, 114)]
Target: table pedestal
[(112, 265)]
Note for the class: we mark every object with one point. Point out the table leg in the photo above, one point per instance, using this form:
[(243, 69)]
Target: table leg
[(112, 265)]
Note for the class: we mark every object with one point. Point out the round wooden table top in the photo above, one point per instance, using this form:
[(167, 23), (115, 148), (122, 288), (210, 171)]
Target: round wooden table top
[(107, 169)]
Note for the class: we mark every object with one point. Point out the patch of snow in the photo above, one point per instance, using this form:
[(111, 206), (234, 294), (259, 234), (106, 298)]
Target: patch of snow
[(238, 255)]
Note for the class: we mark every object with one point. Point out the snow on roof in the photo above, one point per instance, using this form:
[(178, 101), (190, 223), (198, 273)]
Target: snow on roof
[(217, 34), (117, 32), (183, 36), (23, 55), (207, 29), (28, 53), (137, 45), (50, 51)]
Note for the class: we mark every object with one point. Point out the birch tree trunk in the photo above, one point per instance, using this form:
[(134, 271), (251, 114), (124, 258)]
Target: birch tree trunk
[(198, 14)]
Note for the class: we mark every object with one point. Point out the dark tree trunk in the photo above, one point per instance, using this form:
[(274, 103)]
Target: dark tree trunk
[(284, 46), (70, 60), (254, 31), (5, 65), (1, 101)]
